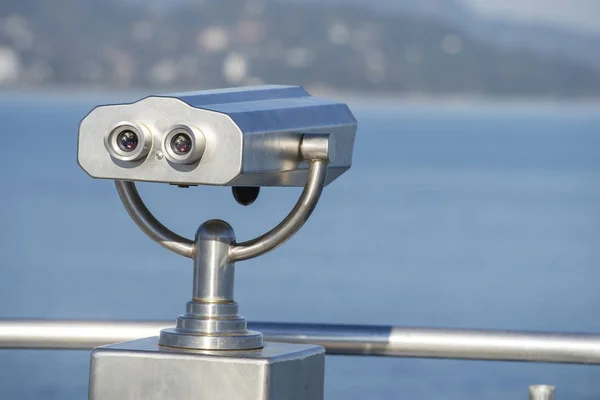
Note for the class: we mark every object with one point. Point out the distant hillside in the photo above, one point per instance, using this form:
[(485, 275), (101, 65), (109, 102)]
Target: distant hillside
[(537, 38), (201, 44)]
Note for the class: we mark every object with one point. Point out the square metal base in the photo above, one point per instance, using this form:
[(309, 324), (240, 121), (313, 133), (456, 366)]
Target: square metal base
[(141, 369)]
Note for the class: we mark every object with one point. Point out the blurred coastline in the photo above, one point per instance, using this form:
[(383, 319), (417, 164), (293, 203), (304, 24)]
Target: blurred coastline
[(413, 50)]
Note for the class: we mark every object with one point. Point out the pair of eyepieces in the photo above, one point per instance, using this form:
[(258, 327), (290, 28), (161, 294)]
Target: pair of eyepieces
[(182, 144)]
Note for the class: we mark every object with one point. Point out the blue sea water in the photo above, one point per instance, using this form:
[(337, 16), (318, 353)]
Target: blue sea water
[(474, 216)]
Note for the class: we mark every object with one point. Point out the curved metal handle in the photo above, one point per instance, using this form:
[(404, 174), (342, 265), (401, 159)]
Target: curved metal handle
[(277, 236), (149, 224), (314, 148)]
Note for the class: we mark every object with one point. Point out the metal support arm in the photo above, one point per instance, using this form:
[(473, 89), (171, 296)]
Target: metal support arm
[(140, 214), (277, 236), (314, 148)]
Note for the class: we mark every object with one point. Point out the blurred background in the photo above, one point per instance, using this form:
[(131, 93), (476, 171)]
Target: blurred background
[(408, 47), (473, 200)]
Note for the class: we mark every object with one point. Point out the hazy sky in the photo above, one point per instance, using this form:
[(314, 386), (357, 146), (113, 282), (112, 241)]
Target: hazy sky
[(579, 14)]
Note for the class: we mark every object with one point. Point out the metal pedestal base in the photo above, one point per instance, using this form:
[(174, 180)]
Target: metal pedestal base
[(175, 337), (211, 326), (141, 369)]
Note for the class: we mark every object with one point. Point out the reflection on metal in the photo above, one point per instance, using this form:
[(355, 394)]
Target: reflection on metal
[(358, 340), (56, 334), (541, 392), (441, 342)]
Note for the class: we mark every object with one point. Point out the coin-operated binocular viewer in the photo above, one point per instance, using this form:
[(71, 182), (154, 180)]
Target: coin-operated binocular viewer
[(244, 138)]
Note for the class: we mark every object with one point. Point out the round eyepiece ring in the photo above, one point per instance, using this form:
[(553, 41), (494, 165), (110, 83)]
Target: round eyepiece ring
[(183, 144), (128, 141)]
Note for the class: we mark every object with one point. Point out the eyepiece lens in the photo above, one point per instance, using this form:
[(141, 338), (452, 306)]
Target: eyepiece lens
[(127, 140), (181, 144)]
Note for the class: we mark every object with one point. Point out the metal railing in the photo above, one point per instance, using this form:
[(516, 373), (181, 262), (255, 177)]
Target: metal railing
[(390, 341)]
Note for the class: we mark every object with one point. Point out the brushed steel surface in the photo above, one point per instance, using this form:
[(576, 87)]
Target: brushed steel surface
[(141, 369), (318, 147), (360, 340), (213, 271), (252, 137)]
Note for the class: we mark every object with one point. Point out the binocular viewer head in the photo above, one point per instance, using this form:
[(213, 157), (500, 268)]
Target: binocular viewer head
[(252, 136)]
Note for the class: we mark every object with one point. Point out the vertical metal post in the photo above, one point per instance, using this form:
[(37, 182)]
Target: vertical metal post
[(211, 321), (213, 273)]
